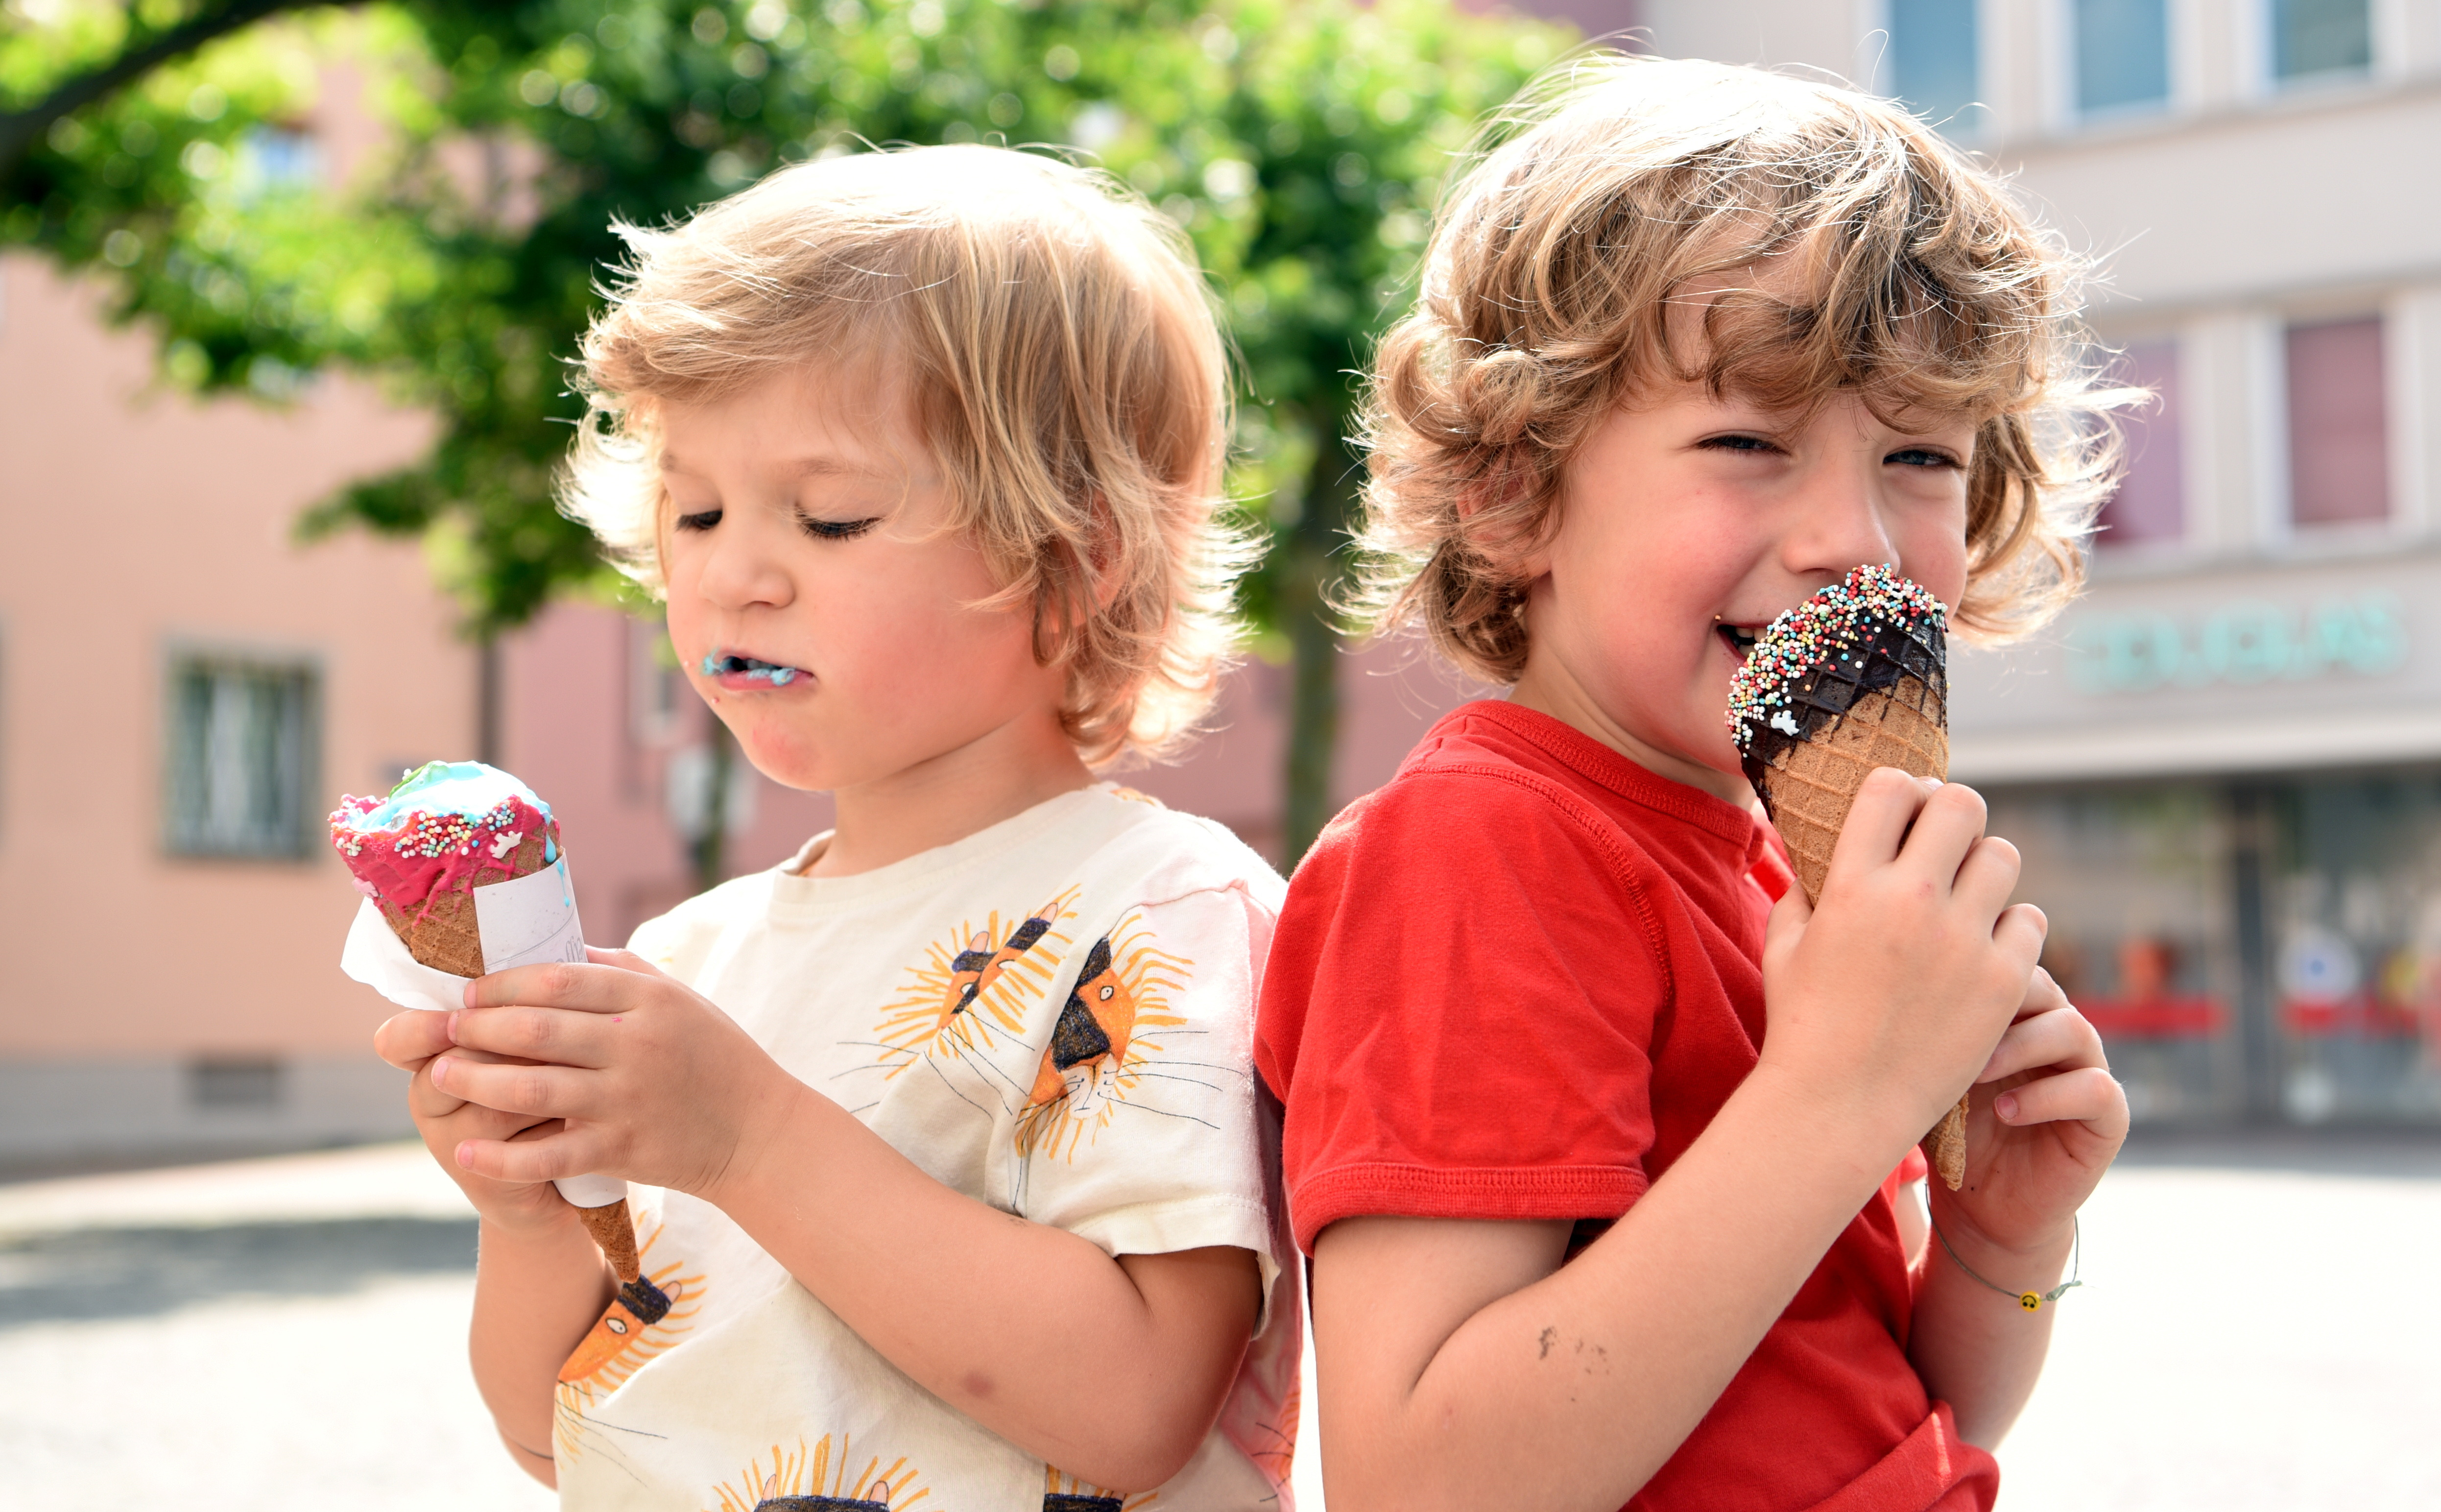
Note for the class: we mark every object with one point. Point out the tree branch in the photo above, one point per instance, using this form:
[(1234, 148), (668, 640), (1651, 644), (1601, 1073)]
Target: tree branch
[(20, 130)]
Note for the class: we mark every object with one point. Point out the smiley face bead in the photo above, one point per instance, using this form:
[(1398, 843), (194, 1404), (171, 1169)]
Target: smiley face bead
[(2030, 1301)]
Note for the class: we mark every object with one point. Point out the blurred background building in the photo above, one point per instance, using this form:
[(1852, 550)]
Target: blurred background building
[(2224, 764)]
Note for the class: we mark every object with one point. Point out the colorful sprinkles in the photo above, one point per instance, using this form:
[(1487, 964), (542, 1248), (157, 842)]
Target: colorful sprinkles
[(442, 824), (1825, 629)]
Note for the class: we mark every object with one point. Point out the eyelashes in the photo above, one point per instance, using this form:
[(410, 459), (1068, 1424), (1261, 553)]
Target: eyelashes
[(1920, 457), (818, 529), (836, 529)]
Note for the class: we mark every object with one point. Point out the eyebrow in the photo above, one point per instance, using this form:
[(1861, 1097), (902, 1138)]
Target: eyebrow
[(816, 465)]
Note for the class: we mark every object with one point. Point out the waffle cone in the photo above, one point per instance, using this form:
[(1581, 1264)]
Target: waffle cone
[(444, 934), (1948, 1142), (1808, 791), (614, 1232)]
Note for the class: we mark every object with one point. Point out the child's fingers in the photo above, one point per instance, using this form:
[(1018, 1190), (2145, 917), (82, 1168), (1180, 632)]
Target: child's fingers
[(2086, 1095), (427, 1101), (1947, 831), (1988, 875), (2043, 994), (2061, 1037), (528, 1160), (623, 960), (2019, 933), (558, 984), (550, 1035), (540, 1092), (1888, 802), (408, 1040)]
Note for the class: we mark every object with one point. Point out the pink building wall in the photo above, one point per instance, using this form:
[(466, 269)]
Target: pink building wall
[(140, 523)]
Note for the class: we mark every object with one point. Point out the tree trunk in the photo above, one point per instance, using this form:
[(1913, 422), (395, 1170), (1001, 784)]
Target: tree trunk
[(1313, 571), (710, 849)]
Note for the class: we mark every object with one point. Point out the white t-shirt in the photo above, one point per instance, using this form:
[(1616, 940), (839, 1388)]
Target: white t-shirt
[(1054, 1015)]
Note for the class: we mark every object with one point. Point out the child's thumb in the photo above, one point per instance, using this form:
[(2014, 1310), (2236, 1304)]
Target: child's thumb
[(1786, 925)]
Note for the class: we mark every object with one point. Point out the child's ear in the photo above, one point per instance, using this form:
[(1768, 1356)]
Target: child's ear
[(1495, 515)]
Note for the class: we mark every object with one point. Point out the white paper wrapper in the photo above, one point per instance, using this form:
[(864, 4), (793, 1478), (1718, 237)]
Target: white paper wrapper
[(377, 957)]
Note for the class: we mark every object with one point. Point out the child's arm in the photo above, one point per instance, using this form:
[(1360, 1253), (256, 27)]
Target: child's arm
[(1461, 1365), (984, 1308), (2037, 1143), (539, 1282)]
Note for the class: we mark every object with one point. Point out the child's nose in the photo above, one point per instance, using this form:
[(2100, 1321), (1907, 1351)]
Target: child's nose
[(1840, 526), (740, 571)]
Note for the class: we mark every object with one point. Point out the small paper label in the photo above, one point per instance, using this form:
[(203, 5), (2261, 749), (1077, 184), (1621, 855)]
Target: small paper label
[(530, 921)]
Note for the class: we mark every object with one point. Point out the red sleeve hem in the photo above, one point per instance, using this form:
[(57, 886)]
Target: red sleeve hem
[(1375, 1189)]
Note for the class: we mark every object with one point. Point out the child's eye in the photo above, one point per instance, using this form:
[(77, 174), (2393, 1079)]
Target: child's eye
[(702, 520), (1754, 444), (836, 529), (1920, 457)]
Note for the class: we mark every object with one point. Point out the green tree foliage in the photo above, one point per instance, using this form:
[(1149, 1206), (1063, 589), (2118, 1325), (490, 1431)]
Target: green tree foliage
[(1300, 141)]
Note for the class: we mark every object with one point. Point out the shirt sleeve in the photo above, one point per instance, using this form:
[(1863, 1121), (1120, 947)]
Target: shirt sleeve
[(1461, 1011), (1141, 1130)]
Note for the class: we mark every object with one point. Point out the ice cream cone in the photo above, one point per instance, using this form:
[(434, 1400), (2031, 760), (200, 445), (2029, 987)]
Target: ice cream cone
[(1854, 678), (444, 934), (421, 852), (614, 1232)]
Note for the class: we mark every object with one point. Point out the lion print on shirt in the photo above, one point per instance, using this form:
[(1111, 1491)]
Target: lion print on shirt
[(645, 1317), (1104, 1041), (1063, 1492), (823, 1479), (973, 988)]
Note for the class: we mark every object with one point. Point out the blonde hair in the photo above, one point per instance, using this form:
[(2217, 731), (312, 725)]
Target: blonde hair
[(1065, 372), (1618, 180)]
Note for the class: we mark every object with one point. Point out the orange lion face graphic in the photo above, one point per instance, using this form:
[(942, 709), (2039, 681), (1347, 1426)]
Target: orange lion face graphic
[(1093, 1028)]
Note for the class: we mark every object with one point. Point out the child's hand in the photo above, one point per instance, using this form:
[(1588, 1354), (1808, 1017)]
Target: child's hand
[(651, 1081), (410, 1041), (1885, 998), (2046, 1119)]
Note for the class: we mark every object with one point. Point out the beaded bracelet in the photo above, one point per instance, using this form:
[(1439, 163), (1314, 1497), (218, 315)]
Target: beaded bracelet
[(2030, 1301)]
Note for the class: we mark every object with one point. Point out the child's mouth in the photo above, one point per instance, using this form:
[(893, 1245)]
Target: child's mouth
[(1741, 639), (734, 671)]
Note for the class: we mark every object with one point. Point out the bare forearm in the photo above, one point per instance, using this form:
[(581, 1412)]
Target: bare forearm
[(984, 1308), (1571, 1392), (1977, 1349), (536, 1292)]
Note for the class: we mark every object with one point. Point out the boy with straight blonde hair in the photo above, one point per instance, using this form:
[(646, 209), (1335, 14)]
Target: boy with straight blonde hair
[(950, 1179), (1592, 1142)]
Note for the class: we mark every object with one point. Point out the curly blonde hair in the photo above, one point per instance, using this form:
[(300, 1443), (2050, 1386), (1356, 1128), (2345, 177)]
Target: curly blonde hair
[(1065, 367), (1617, 181)]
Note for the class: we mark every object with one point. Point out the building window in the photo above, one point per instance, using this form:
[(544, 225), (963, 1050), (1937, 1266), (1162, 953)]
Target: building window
[(2339, 429), (2123, 55), (1935, 60), (2311, 37), (242, 737), (2151, 503)]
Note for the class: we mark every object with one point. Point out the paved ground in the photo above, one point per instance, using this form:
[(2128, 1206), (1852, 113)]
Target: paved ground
[(2258, 1330)]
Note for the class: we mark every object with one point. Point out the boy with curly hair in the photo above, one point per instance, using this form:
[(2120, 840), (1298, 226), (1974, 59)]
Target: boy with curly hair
[(1591, 1124)]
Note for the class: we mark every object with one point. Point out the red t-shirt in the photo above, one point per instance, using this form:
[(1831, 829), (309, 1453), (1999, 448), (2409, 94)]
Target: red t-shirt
[(1517, 982)]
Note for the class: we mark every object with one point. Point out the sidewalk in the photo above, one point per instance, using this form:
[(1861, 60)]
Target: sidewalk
[(257, 1335), (2255, 1332)]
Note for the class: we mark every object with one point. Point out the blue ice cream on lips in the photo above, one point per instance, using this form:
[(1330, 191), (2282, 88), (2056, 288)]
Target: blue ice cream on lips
[(723, 664)]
